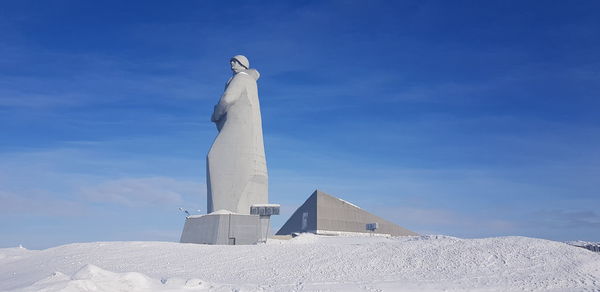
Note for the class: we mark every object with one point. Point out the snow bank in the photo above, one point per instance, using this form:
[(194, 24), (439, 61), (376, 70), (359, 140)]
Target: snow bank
[(93, 278), (308, 263)]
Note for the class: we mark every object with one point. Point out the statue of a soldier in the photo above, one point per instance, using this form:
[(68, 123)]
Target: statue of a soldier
[(236, 169)]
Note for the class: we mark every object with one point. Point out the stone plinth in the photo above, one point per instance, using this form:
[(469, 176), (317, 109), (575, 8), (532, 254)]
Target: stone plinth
[(222, 228)]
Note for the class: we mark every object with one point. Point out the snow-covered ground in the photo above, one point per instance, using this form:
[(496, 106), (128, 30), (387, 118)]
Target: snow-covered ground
[(306, 263)]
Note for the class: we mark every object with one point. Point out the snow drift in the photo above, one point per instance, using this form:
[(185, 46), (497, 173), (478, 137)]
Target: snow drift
[(306, 263)]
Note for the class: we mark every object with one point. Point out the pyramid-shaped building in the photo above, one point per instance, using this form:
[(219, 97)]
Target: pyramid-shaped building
[(326, 214)]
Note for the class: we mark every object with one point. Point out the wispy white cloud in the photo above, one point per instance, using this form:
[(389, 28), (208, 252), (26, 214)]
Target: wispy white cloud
[(34, 203), (143, 191), (568, 218), (89, 173), (67, 80)]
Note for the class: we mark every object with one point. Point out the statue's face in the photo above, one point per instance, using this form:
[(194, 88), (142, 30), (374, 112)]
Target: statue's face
[(235, 66)]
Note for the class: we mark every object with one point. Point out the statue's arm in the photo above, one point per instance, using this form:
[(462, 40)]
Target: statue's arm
[(231, 95)]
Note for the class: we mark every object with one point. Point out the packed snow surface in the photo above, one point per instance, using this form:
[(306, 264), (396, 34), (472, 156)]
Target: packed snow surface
[(306, 263)]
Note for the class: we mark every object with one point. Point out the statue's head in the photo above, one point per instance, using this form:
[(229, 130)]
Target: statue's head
[(239, 63)]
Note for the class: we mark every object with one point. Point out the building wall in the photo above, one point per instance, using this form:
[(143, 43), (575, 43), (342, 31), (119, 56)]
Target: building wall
[(322, 213), (304, 219), (334, 214), (225, 229)]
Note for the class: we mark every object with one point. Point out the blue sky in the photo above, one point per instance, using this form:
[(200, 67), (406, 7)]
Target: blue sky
[(464, 118)]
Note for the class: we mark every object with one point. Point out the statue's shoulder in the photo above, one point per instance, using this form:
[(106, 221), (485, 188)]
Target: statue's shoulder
[(250, 73)]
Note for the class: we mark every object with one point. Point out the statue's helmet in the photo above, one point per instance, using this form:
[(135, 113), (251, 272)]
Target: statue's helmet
[(242, 60)]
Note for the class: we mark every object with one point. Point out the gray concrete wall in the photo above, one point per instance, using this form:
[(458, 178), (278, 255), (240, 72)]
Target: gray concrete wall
[(334, 214), (295, 223), (207, 229), (328, 213), (236, 229), (245, 229)]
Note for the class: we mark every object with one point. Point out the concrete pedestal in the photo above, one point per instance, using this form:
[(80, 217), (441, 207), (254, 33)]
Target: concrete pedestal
[(223, 228)]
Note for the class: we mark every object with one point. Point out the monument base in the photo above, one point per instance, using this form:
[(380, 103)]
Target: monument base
[(226, 228)]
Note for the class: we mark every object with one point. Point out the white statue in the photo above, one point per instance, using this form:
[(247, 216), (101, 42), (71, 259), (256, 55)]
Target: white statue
[(236, 169)]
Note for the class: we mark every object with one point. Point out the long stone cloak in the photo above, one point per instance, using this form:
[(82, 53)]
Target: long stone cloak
[(236, 168)]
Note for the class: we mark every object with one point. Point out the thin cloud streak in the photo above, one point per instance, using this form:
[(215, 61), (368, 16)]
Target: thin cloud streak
[(36, 203), (136, 192)]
